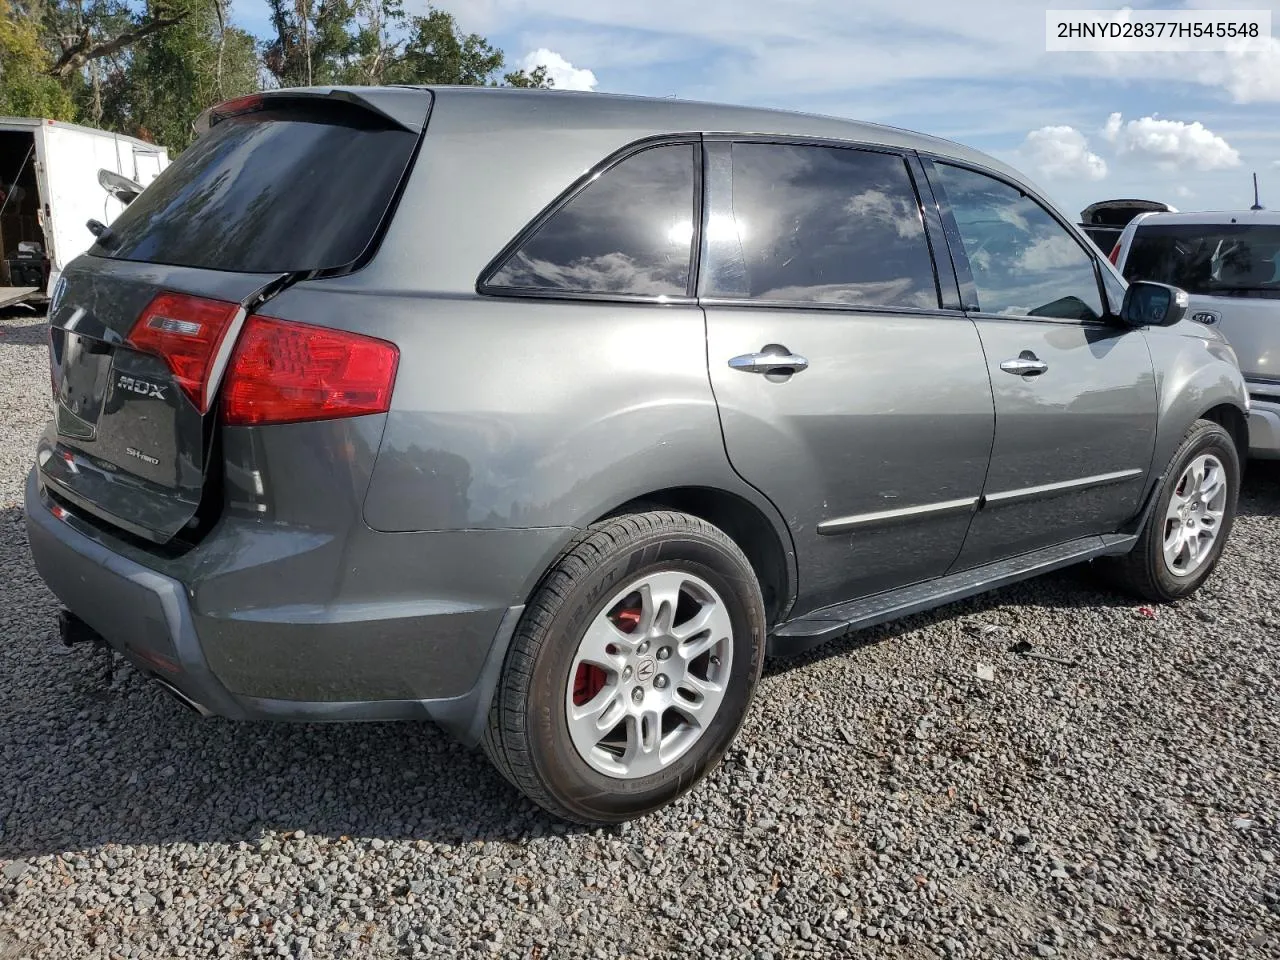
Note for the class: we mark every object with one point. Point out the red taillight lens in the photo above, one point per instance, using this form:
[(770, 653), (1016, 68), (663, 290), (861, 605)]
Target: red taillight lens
[(1115, 255), (286, 372), (186, 333)]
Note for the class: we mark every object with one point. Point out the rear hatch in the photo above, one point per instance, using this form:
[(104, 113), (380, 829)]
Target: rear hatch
[(1232, 272), (283, 186)]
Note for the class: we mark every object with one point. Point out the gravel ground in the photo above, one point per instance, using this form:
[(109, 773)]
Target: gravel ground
[(918, 791)]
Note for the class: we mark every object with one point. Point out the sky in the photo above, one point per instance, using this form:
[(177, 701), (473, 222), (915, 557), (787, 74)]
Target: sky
[(1185, 128)]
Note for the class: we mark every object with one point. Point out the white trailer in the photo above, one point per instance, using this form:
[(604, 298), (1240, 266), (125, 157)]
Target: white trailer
[(49, 190)]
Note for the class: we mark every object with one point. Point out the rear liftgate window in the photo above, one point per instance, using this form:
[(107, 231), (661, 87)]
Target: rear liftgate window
[(283, 189), (627, 233), (1227, 260)]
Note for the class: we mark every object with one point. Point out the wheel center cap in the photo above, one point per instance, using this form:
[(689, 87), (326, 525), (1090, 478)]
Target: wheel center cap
[(645, 670)]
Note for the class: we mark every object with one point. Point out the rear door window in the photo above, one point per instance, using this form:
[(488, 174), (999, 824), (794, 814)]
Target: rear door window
[(629, 233), (1225, 260), (818, 224), (1024, 262), (278, 190)]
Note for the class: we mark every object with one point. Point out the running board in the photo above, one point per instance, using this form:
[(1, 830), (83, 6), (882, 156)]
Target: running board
[(828, 623)]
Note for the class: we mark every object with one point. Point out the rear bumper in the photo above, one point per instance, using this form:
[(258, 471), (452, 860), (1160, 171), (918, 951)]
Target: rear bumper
[(446, 653), (1264, 430)]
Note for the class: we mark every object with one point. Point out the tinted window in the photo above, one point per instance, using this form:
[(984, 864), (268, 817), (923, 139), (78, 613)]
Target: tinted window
[(1024, 262), (823, 225), (1236, 259), (268, 192), (630, 232)]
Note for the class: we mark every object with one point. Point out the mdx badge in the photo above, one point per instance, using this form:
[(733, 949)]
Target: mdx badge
[(1207, 317), (143, 388)]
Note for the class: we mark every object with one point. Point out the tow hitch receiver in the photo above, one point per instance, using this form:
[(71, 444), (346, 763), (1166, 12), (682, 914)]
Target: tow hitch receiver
[(73, 630)]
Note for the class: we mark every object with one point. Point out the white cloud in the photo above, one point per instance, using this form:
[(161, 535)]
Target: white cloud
[(1062, 153), (747, 51), (877, 205), (1254, 75), (1184, 192), (563, 74), (1050, 253), (1249, 70), (1172, 144)]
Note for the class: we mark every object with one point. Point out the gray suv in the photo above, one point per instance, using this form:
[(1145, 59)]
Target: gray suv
[(547, 416)]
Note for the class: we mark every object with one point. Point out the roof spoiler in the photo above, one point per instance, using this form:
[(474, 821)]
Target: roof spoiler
[(405, 107)]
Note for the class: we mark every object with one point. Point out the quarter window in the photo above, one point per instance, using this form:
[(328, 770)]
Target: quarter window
[(821, 225), (628, 233), (1024, 262)]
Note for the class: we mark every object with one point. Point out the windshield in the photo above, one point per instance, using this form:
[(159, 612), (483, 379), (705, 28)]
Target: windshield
[(1237, 259)]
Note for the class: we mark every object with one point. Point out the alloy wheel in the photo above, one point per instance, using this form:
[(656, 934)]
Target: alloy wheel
[(1195, 514), (649, 674)]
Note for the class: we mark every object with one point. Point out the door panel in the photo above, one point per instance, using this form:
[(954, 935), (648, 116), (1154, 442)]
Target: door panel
[(1075, 395), (874, 442), (884, 439), (1073, 444)]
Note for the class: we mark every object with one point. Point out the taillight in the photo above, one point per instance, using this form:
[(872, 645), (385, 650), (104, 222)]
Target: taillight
[(286, 372), (186, 333), (1115, 255)]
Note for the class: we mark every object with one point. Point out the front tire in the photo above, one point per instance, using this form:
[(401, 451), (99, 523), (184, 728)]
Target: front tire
[(1188, 528), (632, 668)]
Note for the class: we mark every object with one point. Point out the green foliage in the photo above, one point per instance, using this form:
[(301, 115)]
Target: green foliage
[(149, 67), (172, 76), (26, 89), (438, 52), (529, 79)]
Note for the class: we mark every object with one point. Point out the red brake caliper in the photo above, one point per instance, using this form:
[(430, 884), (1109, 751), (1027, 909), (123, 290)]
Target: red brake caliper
[(590, 679)]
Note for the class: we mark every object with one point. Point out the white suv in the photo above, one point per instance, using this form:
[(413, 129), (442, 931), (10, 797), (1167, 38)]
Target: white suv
[(1228, 263)]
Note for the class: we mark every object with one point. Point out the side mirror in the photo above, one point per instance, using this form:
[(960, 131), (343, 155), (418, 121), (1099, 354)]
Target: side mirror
[(120, 187), (1153, 305)]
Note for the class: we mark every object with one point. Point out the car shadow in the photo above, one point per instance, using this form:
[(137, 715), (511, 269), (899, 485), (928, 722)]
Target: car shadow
[(91, 761), (1260, 492)]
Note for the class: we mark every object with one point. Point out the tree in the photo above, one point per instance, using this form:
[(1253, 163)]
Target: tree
[(171, 77), (26, 89), (314, 43), (438, 51), (102, 28), (149, 67), (372, 41), (535, 78)]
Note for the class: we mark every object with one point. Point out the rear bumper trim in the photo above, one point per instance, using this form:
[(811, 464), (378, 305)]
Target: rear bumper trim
[(85, 575)]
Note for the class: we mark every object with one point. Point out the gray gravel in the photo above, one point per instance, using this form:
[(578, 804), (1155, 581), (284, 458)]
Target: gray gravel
[(918, 791)]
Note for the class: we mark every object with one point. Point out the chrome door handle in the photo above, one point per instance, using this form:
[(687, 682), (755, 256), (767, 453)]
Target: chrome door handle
[(772, 359), (1027, 364)]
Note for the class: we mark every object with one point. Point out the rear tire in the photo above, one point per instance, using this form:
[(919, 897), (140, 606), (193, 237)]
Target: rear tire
[(683, 698), (1161, 567)]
